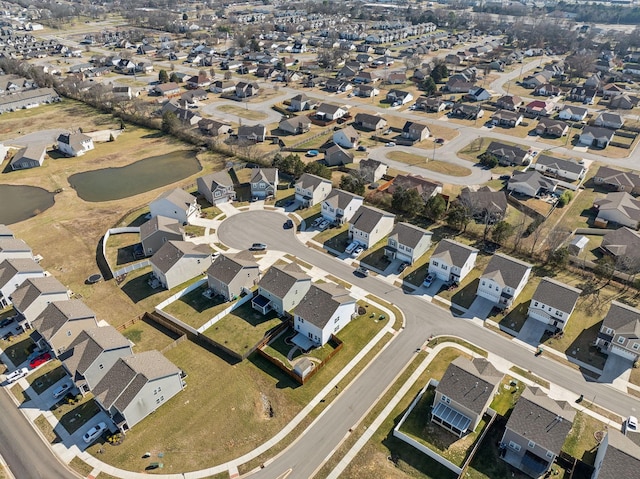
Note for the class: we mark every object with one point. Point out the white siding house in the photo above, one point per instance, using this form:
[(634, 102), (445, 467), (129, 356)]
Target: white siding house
[(176, 204), (312, 189), (503, 279), (14, 272), (340, 206), (407, 243), (369, 225), (179, 261), (552, 303), (452, 261)]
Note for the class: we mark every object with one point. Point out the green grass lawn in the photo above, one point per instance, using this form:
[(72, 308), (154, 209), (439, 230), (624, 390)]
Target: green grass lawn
[(195, 309), (581, 442), (146, 336), (337, 239), (580, 213), (74, 416), (48, 375), (18, 349), (375, 257), (120, 249), (465, 293), (80, 466), (46, 429), (530, 376), (506, 396), (20, 394)]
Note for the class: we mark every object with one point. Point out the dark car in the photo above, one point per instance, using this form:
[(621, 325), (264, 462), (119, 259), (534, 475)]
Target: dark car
[(439, 141), (362, 148), (38, 360), (6, 322), (288, 225), (258, 247), (362, 271)]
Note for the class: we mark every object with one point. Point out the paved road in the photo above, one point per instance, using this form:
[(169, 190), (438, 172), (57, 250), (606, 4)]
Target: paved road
[(23, 450), (422, 319)]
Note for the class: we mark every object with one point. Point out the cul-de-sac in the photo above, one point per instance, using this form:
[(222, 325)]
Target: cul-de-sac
[(370, 239)]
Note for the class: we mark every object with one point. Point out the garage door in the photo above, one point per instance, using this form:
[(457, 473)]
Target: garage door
[(623, 353)]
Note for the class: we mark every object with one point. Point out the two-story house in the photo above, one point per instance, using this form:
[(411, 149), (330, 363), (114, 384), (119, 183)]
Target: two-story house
[(618, 456), (369, 225), (176, 204), (60, 323), (281, 289), (372, 170), (536, 431), (407, 243), (264, 183), (620, 208), (503, 279), (14, 248), (33, 296), (325, 309), (618, 180), (252, 133), (335, 156), (452, 261), (217, 187), (312, 189), (179, 261), (14, 272), (552, 303), (157, 231), (414, 131), (464, 394), (340, 206), (620, 332), (560, 168), (231, 274), (346, 137), (74, 144), (299, 102)]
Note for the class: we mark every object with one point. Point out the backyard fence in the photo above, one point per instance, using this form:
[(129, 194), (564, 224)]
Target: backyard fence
[(105, 239), (226, 311), (131, 267)]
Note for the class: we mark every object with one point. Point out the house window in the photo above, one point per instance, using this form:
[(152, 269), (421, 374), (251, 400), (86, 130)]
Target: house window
[(158, 401), (337, 319), (445, 399), (621, 339), (497, 288), (559, 314), (514, 446), (535, 303), (435, 263), (310, 335), (198, 261), (636, 346), (336, 329), (393, 243), (549, 454), (444, 266), (532, 444), (401, 247), (609, 331), (301, 320), (68, 333), (483, 283)]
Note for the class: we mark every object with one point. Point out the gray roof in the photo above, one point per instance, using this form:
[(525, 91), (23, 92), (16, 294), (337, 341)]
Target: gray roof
[(56, 315), (556, 294), (485, 200), (453, 253), (32, 288), (368, 118), (575, 110), (613, 176), (408, 234), (506, 270), (88, 346), (598, 132), (367, 218), (621, 242), (74, 140), (532, 178), (328, 108), (222, 178), (13, 245), (621, 458), (560, 164), (321, 302), (178, 197), (227, 266), (623, 319), (622, 202), (12, 266), (279, 280), (307, 180), (172, 251), (540, 419), (5, 231), (340, 199), (370, 163), (296, 121), (264, 174), (338, 150), (470, 383), (160, 223)]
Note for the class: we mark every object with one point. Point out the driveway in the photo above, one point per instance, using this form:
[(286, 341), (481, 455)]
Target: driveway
[(531, 332), (42, 137), (480, 308), (615, 369)]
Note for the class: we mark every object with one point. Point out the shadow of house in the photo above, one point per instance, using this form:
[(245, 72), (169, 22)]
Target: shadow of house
[(583, 349), (138, 288)]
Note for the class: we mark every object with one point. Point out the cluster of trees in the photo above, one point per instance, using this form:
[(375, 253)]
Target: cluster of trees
[(293, 166)]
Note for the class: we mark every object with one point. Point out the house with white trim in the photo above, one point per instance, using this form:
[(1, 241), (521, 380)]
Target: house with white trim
[(340, 206), (503, 279), (312, 189), (369, 225), (620, 332), (452, 261), (552, 303), (407, 243)]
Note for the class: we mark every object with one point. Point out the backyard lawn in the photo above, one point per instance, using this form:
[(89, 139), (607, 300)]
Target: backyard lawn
[(120, 249), (195, 309), (581, 442), (429, 163)]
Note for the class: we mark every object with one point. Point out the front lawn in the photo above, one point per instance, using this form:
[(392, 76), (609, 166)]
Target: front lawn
[(195, 309), (73, 415), (48, 375), (18, 348), (507, 395)]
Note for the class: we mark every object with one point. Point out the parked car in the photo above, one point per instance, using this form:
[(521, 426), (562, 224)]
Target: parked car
[(6, 322), (351, 248), (391, 143), (38, 360), (402, 267), (362, 271), (323, 226), (17, 374), (357, 251), (632, 424), (439, 141), (258, 247), (94, 433), (317, 221), (61, 390), (362, 148), (429, 280), (289, 203), (288, 225)]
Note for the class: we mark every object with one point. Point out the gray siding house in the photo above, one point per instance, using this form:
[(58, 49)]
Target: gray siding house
[(11, 248), (230, 274), (157, 231), (216, 187), (312, 189), (33, 296), (281, 289), (13, 272), (179, 261), (264, 182), (407, 243)]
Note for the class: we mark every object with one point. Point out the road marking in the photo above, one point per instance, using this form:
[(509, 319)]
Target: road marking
[(285, 474)]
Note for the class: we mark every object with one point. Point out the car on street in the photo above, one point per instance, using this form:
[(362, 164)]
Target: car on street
[(632, 424), (391, 143), (357, 251), (288, 225), (362, 271), (94, 433), (258, 247), (61, 390), (17, 374), (429, 280), (6, 322), (39, 360)]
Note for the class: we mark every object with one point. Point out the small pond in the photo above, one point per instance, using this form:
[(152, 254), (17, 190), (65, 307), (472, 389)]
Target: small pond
[(18, 203), (145, 175)]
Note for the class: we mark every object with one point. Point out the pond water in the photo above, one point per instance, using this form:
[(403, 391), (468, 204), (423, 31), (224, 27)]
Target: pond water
[(18, 203), (145, 175)]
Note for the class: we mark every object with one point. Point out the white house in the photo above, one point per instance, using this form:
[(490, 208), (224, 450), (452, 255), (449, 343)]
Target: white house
[(281, 289), (565, 169), (312, 189), (552, 303), (619, 207), (74, 144), (324, 311), (328, 112), (14, 272), (340, 206), (33, 295), (618, 333), (369, 225), (14, 248), (179, 261), (407, 243), (347, 137), (452, 261), (264, 182), (176, 204), (573, 113), (503, 279)]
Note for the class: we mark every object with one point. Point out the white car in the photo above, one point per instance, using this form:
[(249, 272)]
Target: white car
[(391, 143), (632, 424), (17, 374), (61, 390), (323, 226), (94, 433), (357, 251)]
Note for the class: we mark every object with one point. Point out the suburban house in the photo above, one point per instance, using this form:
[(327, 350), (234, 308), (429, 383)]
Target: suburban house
[(430, 104), (167, 89), (425, 188), (335, 156), (485, 205), (179, 261), (369, 225), (610, 120), (623, 102), (452, 261), (212, 127), (503, 279), (618, 180), (620, 332), (547, 89), (509, 102), (399, 96), (506, 118), (312, 189), (136, 386), (508, 155), (336, 85), (246, 90), (14, 248), (264, 182), (74, 144), (31, 156), (340, 206), (255, 133), (415, 131), (552, 303), (620, 208), (560, 168), (464, 394), (324, 311), (60, 323), (530, 183), (296, 125), (478, 94), (92, 353), (407, 243), (538, 108), (176, 204), (33, 295), (552, 128), (618, 456), (300, 102), (346, 137), (467, 111), (536, 431), (231, 274), (596, 136), (372, 170), (329, 112), (369, 122), (582, 94), (217, 187), (621, 243), (281, 289), (366, 91), (223, 86), (5, 231), (573, 113), (198, 81), (14, 272), (157, 231)]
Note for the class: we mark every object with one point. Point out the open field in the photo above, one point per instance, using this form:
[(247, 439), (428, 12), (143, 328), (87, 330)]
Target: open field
[(242, 112), (429, 164)]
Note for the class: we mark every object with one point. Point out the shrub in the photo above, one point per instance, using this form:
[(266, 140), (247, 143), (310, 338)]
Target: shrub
[(565, 198)]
